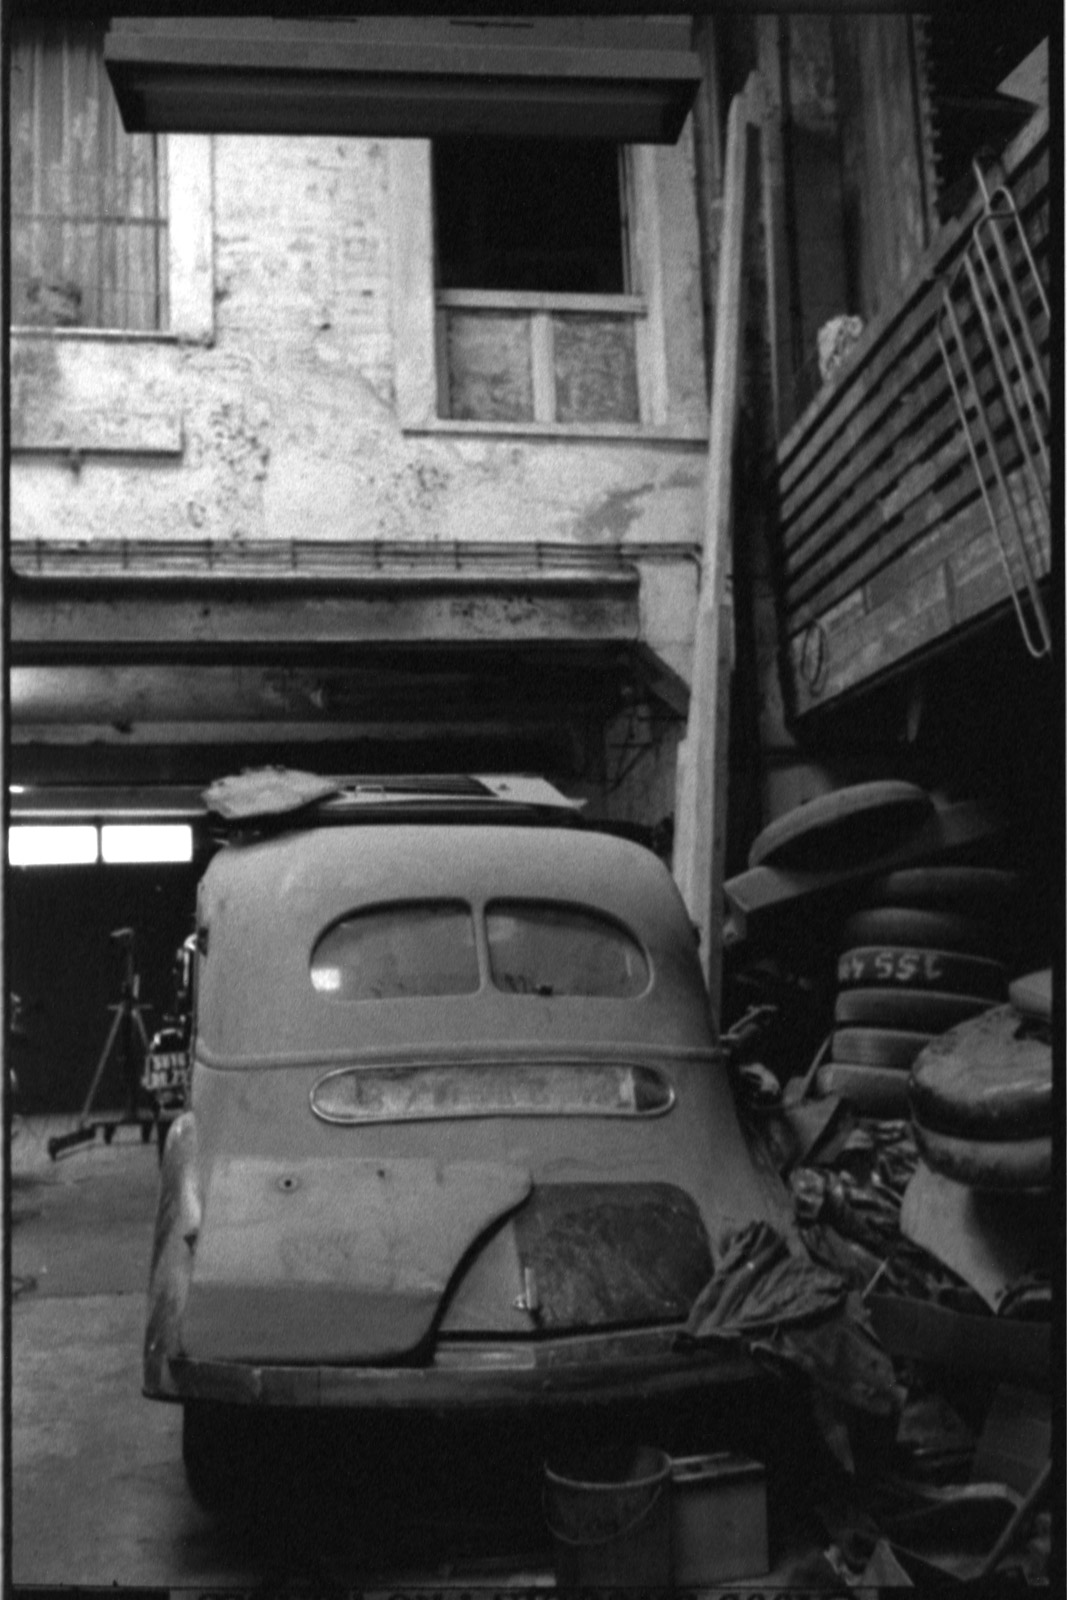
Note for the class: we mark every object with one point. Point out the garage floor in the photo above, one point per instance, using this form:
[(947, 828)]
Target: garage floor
[(98, 1491)]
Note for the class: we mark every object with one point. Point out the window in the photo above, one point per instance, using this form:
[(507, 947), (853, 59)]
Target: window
[(491, 1089), (549, 950), (414, 948), (536, 314), (88, 201)]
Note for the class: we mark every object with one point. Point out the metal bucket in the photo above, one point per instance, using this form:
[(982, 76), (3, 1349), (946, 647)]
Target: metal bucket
[(613, 1533)]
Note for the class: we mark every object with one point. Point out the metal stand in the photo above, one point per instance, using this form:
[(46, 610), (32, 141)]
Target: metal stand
[(126, 1024)]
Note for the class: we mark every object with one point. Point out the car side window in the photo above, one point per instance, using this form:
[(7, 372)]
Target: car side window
[(407, 948), (544, 948)]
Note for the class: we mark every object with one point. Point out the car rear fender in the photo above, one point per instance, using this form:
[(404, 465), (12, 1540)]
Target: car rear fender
[(179, 1212)]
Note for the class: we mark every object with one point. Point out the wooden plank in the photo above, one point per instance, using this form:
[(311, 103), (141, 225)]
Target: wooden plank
[(878, 392), (943, 536), (885, 501), (701, 809), (933, 491), (822, 416), (915, 381), (1026, 164), (967, 586)]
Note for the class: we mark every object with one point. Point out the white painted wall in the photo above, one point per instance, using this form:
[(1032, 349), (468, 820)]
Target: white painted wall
[(272, 410)]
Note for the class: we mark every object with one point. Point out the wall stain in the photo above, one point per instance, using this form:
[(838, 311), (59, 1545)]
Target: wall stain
[(615, 515)]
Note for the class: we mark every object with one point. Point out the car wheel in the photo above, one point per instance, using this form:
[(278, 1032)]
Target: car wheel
[(216, 1453)]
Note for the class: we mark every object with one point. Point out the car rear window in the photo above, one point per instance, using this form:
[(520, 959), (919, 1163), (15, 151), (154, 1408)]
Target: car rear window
[(538, 947), (409, 948)]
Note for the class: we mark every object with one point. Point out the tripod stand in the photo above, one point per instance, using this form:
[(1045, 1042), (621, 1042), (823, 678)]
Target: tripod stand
[(127, 1025)]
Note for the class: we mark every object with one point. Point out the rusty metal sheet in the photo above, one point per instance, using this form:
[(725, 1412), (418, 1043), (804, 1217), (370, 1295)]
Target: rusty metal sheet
[(334, 1259)]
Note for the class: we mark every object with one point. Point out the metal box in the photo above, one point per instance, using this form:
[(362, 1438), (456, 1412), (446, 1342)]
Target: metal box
[(718, 1518)]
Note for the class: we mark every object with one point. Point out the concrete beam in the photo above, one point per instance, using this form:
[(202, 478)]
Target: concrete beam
[(48, 624)]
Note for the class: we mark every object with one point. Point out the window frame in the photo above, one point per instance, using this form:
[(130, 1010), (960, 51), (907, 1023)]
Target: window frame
[(417, 353)]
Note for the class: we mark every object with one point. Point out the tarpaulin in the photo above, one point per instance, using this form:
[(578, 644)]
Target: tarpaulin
[(796, 1315)]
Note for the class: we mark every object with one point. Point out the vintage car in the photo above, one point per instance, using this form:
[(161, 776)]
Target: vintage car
[(458, 1134)]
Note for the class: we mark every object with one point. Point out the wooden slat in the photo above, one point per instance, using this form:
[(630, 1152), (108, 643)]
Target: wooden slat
[(935, 485), (884, 537), (907, 387), (806, 438), (701, 808), (955, 579), (875, 394)]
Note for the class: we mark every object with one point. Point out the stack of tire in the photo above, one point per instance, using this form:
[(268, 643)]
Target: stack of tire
[(981, 1095), (925, 952)]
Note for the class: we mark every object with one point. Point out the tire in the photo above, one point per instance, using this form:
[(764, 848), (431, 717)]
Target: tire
[(971, 891), (873, 1091), (893, 1048), (907, 967), (921, 1010), (988, 1078), (844, 828), (1031, 995), (217, 1453), (1000, 1165), (926, 930)]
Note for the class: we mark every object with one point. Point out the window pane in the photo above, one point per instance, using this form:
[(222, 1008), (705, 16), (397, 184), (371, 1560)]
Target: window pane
[(414, 948), (537, 948), (596, 369), (489, 368)]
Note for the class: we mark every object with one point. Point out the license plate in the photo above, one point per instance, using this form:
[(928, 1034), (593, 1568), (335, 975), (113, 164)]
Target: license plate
[(165, 1070)]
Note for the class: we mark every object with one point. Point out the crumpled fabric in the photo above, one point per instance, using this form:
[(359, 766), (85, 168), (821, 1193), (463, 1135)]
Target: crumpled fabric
[(266, 792), (792, 1314), (760, 1284)]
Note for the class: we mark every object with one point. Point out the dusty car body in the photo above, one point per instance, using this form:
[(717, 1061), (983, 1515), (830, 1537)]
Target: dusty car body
[(458, 1132)]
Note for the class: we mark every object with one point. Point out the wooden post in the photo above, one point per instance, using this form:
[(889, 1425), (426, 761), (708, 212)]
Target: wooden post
[(703, 771)]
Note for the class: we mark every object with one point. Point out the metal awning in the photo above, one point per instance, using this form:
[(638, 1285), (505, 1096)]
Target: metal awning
[(630, 80)]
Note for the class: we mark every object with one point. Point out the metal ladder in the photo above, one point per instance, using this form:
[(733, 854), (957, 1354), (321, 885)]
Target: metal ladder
[(989, 286)]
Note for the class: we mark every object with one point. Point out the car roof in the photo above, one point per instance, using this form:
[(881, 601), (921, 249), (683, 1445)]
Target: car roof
[(264, 904)]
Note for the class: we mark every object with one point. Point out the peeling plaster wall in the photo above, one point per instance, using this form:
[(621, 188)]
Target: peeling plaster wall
[(282, 423)]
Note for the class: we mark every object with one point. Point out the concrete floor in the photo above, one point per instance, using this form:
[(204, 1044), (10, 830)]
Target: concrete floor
[(98, 1490)]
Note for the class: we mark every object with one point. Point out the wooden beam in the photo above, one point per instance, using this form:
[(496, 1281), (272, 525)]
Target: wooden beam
[(701, 819)]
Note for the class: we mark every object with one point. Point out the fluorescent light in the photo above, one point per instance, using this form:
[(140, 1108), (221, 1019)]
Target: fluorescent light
[(134, 842), (57, 846)]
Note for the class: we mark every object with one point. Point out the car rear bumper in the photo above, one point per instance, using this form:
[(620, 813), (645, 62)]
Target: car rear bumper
[(579, 1371)]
